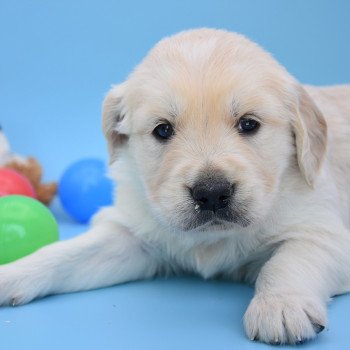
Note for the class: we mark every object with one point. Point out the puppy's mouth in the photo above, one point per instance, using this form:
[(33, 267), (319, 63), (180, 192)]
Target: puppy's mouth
[(221, 220)]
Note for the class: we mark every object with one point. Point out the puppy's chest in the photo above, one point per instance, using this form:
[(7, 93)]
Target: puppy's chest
[(211, 261), (224, 258)]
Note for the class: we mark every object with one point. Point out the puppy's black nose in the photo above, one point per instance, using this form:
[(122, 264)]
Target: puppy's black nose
[(212, 195)]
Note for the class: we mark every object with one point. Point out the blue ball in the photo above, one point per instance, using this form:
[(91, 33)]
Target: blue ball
[(84, 188)]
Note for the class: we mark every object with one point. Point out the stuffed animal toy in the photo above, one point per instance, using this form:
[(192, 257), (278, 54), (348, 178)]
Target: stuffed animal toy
[(28, 167)]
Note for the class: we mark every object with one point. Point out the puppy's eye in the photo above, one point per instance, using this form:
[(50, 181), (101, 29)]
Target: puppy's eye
[(248, 125), (163, 132)]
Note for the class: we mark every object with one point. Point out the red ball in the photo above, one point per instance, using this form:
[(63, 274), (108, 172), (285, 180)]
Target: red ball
[(12, 182)]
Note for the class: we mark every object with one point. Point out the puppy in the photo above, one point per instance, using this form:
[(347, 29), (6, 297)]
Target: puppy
[(226, 166)]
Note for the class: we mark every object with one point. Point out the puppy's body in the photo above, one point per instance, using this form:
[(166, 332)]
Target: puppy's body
[(279, 196)]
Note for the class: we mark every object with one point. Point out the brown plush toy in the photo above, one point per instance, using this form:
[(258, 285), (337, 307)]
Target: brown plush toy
[(28, 167), (32, 170)]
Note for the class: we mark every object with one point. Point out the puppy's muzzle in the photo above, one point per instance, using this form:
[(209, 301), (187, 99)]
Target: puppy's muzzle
[(214, 202), (212, 195)]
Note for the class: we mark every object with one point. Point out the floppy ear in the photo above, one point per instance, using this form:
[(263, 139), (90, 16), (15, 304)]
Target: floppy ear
[(113, 114), (310, 129)]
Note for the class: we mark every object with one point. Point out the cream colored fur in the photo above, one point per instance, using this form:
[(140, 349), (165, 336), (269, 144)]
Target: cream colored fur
[(292, 199)]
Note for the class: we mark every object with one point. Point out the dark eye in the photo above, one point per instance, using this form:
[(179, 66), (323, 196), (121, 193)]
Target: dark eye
[(163, 132), (247, 125)]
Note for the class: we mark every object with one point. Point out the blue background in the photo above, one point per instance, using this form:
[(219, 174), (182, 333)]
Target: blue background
[(57, 60)]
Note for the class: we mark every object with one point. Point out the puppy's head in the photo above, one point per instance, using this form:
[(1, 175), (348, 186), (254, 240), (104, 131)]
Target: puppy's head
[(211, 125)]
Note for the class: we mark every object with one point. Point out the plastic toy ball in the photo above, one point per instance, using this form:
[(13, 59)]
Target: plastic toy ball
[(12, 182), (25, 226), (84, 188)]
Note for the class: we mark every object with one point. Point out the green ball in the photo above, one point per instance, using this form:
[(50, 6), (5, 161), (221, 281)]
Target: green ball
[(25, 226)]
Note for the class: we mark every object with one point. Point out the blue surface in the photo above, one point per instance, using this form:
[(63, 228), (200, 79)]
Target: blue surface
[(57, 60)]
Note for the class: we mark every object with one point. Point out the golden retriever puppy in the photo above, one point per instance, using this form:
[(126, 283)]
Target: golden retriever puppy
[(226, 166)]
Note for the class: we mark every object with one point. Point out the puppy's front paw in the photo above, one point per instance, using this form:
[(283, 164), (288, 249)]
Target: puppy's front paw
[(280, 319), (19, 285)]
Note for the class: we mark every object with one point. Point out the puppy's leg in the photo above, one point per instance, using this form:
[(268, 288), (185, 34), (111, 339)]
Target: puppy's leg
[(293, 288), (107, 254)]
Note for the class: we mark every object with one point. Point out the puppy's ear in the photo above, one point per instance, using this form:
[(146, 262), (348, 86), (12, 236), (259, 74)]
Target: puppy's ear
[(113, 116), (310, 129)]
